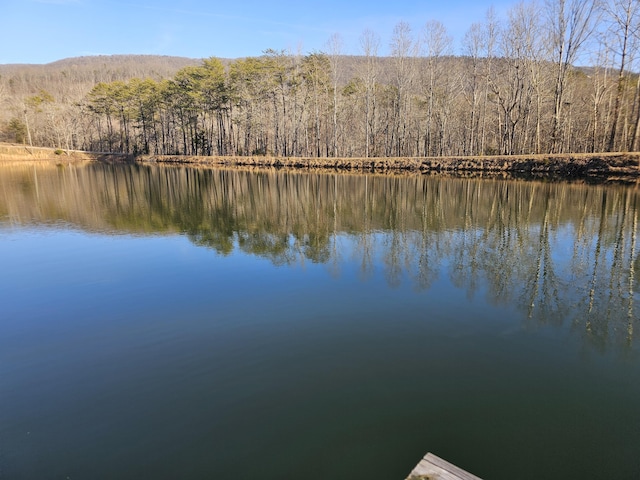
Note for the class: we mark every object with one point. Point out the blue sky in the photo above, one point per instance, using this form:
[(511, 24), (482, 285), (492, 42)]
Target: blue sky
[(42, 31)]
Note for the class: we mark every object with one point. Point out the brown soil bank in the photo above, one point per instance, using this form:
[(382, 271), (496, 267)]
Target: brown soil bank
[(563, 165)]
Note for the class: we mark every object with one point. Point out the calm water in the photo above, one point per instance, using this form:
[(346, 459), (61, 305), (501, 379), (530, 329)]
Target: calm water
[(181, 323)]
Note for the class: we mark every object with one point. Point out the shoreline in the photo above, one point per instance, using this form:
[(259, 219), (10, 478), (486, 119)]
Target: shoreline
[(562, 166), (624, 165)]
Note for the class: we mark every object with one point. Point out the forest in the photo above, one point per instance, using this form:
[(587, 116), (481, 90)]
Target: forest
[(517, 85)]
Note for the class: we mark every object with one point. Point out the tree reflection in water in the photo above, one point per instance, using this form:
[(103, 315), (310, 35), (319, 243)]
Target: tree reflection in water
[(560, 252)]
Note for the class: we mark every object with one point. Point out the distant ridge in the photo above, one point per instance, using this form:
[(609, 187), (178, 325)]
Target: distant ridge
[(123, 58), (83, 59), (161, 62), (68, 80)]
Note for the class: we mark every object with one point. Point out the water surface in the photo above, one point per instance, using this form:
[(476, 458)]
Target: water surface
[(184, 323)]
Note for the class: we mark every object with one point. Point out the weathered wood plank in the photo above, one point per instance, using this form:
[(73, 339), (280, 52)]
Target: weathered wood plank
[(432, 467)]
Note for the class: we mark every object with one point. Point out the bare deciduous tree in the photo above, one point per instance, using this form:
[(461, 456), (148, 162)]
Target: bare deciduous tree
[(570, 23), (404, 49), (436, 42), (624, 16), (369, 43), (334, 48)]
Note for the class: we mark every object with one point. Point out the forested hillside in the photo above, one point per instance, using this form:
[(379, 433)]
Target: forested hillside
[(48, 97), (514, 88)]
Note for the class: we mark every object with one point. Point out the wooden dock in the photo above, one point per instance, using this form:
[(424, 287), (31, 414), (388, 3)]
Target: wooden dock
[(432, 467)]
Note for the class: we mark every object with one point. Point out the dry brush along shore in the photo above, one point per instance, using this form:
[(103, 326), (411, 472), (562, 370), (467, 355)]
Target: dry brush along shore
[(580, 165), (561, 165)]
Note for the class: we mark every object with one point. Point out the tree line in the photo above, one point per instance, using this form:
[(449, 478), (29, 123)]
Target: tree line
[(515, 89)]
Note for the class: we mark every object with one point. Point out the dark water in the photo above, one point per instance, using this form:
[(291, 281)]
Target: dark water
[(180, 323)]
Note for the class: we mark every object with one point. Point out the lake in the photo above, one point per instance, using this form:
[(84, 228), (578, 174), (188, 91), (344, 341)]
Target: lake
[(169, 322)]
